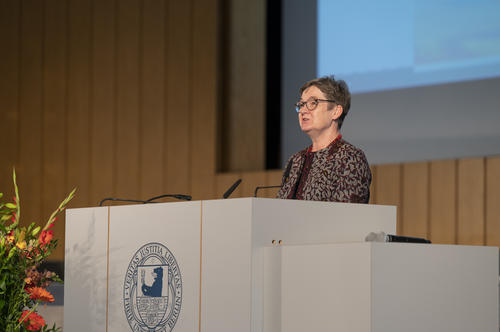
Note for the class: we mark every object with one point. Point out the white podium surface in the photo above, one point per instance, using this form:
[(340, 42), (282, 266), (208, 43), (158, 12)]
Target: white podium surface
[(235, 232), (216, 249), (387, 287), (211, 265), (85, 269)]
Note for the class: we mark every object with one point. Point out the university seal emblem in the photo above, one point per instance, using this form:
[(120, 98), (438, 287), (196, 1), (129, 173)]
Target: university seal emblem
[(152, 291)]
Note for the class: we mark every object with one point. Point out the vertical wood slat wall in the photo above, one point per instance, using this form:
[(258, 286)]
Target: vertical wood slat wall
[(119, 98), (116, 98), (447, 201)]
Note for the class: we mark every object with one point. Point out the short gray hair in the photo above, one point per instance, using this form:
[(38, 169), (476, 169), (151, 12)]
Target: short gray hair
[(333, 89)]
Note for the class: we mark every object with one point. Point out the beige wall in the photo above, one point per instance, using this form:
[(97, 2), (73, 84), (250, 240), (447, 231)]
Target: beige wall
[(450, 201), (117, 98), (120, 98), (243, 90)]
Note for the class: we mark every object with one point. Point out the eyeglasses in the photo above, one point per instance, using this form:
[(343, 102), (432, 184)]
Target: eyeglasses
[(311, 104)]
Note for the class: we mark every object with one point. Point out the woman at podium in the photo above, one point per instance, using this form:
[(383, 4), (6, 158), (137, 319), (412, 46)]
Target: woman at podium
[(330, 169)]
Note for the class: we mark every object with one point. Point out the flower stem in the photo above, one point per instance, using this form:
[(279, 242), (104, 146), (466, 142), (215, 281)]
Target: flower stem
[(31, 311)]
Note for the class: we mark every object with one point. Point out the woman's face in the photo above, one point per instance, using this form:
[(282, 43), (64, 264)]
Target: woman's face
[(321, 118)]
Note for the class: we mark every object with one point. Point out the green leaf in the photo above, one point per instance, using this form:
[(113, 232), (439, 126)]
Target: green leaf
[(36, 230), (11, 205), (16, 190), (60, 208), (11, 253)]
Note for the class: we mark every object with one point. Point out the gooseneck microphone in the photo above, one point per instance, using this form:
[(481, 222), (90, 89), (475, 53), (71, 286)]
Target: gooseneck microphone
[(178, 196), (383, 237), (231, 189), (121, 200), (263, 187), (151, 200)]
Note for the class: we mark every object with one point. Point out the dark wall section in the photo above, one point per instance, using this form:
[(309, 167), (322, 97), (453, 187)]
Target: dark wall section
[(273, 83), (298, 66)]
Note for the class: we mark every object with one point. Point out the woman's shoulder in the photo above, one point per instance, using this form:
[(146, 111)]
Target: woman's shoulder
[(344, 145), (345, 150)]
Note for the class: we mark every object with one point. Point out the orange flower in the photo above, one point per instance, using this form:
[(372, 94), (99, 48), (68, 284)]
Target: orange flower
[(21, 245), (45, 237), (33, 322), (38, 293)]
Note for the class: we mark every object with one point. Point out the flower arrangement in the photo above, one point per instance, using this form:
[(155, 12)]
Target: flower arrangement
[(22, 250)]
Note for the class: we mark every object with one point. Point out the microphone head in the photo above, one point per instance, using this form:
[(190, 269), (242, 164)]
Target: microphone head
[(376, 237), (231, 189)]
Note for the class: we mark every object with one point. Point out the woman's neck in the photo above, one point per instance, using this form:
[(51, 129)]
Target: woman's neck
[(322, 141)]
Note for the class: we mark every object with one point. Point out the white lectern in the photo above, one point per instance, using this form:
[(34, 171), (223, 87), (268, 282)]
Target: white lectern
[(265, 265), (386, 287)]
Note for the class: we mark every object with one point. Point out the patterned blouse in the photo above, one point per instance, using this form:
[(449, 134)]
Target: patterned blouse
[(337, 173)]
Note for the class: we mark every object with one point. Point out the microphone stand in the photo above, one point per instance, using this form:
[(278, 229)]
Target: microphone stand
[(263, 187), (151, 200)]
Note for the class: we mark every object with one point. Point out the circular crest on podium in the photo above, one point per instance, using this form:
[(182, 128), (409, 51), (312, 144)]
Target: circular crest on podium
[(152, 291)]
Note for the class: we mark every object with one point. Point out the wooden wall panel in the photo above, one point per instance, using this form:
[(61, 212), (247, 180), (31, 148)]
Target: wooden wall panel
[(203, 187), (204, 102), (30, 110), (252, 180), (471, 200), (388, 189), (243, 143), (103, 107), (10, 16), (152, 91), (373, 170), (492, 201), (273, 178), (78, 119), (128, 113), (442, 201), (415, 209), (108, 96), (179, 96), (54, 112)]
